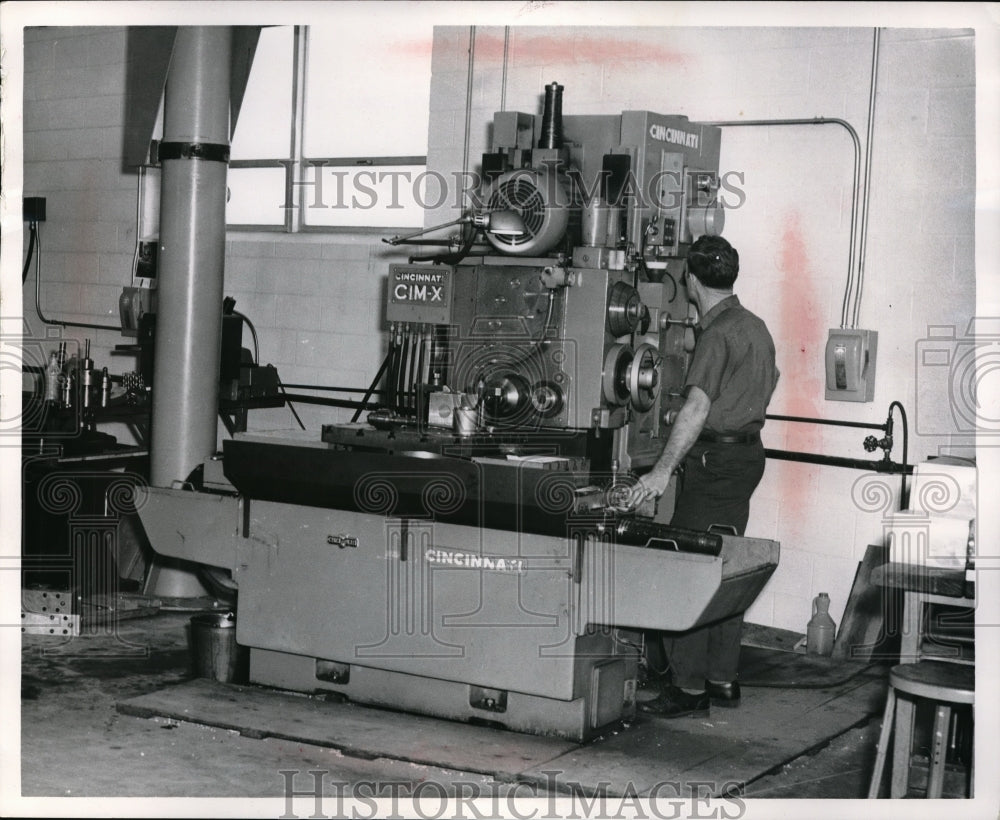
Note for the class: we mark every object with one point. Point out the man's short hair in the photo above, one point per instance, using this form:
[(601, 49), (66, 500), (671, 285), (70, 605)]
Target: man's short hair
[(714, 262)]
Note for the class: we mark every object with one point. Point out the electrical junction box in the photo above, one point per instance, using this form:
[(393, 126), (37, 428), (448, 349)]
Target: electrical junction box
[(34, 209), (850, 365)]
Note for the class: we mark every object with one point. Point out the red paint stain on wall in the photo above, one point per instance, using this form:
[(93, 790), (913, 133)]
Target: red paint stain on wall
[(593, 50), (489, 49), (799, 340), (420, 48), (526, 49)]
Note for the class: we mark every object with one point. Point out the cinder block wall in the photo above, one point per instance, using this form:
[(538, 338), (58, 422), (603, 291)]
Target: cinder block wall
[(792, 229), (315, 299)]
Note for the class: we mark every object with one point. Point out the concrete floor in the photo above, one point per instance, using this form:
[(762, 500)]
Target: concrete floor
[(75, 743)]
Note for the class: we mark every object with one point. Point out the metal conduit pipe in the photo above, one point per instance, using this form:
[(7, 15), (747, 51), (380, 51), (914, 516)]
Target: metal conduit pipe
[(883, 465), (870, 136), (855, 195), (835, 422), (194, 155), (878, 465)]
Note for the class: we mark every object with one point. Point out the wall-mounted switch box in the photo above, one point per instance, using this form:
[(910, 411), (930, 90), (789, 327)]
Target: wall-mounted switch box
[(34, 209), (850, 365)]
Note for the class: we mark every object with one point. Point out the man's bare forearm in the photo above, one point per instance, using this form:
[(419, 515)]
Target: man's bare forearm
[(687, 427)]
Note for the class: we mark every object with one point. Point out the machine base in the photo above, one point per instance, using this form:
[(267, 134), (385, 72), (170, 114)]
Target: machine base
[(609, 698)]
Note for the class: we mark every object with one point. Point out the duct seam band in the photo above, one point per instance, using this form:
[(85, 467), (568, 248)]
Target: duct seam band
[(211, 151)]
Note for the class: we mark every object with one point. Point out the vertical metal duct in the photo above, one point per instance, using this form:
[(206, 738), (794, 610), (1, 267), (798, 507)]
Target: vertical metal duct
[(194, 156)]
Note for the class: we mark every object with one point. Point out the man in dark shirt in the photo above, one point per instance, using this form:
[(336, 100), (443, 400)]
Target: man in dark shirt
[(716, 437)]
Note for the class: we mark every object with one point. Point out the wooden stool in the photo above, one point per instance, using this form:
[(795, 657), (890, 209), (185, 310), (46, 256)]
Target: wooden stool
[(944, 683)]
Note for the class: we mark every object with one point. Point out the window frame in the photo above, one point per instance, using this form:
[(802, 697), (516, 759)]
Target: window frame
[(296, 163)]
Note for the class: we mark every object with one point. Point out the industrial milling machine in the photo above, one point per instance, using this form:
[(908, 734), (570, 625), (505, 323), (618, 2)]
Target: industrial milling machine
[(462, 552)]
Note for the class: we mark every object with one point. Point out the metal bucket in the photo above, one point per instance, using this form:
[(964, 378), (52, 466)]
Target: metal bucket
[(214, 650)]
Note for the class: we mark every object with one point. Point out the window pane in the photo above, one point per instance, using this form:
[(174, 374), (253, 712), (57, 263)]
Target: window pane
[(389, 196), (368, 89), (256, 196), (264, 127)]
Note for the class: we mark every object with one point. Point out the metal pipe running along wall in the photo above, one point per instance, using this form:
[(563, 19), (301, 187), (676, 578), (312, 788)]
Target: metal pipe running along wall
[(194, 154)]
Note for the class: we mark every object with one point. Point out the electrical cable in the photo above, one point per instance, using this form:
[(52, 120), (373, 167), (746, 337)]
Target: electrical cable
[(863, 242), (397, 360), (450, 258), (673, 284), (253, 333), (411, 395), (371, 388), (421, 376), (38, 299), (256, 360), (904, 493), (393, 373), (537, 344), (404, 350), (855, 194), (331, 388), (32, 230), (411, 387), (302, 398), (397, 365), (403, 369), (291, 406)]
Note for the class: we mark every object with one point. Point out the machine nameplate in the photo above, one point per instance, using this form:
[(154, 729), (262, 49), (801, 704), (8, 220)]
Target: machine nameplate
[(418, 293), (468, 560), (673, 135), (342, 541), (420, 288)]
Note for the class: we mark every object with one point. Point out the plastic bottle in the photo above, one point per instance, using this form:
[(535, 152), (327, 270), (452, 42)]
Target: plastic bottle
[(821, 629)]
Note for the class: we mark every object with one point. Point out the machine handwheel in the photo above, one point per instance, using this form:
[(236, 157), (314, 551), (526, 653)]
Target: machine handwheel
[(615, 381), (625, 309), (643, 377)]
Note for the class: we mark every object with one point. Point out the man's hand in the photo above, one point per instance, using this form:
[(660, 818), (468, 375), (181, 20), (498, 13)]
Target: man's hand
[(685, 431), (642, 497)]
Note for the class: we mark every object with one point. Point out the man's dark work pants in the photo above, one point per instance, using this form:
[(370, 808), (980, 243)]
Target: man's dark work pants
[(715, 488)]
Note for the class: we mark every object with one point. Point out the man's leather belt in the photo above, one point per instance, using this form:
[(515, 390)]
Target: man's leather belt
[(728, 438)]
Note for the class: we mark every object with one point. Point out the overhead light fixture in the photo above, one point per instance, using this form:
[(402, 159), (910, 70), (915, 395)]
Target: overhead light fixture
[(501, 223)]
